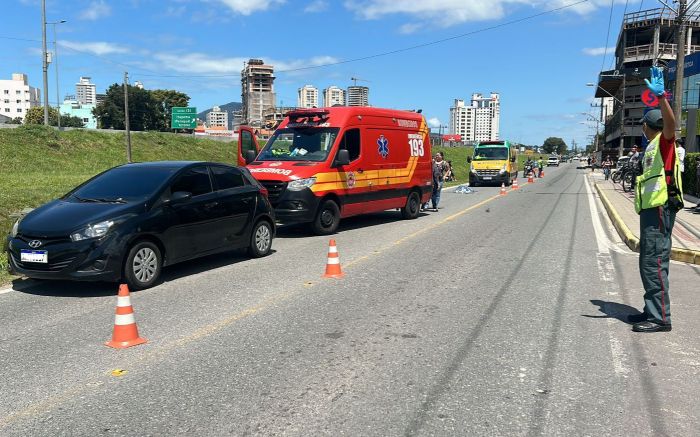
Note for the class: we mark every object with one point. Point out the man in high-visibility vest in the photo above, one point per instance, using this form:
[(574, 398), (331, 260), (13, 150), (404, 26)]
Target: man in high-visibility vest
[(658, 196)]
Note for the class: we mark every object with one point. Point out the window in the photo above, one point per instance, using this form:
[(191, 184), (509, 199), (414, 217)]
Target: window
[(18, 92), (246, 142), (225, 178), (351, 143), (7, 91), (19, 101), (19, 109), (7, 100), (195, 181), (7, 109), (86, 120)]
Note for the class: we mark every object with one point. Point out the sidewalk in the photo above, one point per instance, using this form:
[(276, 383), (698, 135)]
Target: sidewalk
[(620, 208)]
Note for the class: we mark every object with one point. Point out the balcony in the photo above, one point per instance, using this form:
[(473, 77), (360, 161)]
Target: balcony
[(646, 51)]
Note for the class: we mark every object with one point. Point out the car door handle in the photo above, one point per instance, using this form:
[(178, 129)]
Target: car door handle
[(360, 170), (247, 199), (211, 205)]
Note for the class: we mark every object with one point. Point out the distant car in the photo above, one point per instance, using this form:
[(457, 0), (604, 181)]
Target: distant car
[(553, 160), (129, 221)]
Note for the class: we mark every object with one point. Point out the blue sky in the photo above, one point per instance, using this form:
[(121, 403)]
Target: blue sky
[(540, 65)]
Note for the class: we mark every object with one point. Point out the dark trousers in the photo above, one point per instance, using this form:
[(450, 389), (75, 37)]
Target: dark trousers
[(656, 225)]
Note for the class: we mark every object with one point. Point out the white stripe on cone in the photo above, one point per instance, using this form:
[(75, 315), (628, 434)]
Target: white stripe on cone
[(124, 319), (123, 301), (332, 249), (333, 260)]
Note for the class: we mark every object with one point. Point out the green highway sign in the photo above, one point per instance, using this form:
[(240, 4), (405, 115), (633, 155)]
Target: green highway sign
[(183, 118)]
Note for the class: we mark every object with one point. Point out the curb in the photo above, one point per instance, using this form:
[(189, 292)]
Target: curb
[(677, 254)]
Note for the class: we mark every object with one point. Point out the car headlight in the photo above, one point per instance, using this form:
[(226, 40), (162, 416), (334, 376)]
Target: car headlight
[(92, 231), (471, 168), (15, 228), (503, 169), (300, 184)]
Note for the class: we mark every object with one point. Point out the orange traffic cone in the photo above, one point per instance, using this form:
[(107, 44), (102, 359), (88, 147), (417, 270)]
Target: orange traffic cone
[(333, 264), (542, 173), (503, 189), (126, 334), (529, 178), (515, 184)]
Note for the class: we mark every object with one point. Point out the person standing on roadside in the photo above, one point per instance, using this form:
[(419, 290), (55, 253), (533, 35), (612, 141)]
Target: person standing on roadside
[(607, 165), (658, 196), (680, 150), (540, 166), (439, 170)]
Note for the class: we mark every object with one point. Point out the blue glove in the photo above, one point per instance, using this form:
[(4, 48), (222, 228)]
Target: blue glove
[(656, 85)]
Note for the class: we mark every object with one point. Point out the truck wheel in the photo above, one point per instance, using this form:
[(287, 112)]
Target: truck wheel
[(143, 265), (327, 218), (412, 208), (260, 240)]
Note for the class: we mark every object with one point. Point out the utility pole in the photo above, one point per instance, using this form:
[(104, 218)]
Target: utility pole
[(621, 151), (126, 116), (44, 62), (681, 31)]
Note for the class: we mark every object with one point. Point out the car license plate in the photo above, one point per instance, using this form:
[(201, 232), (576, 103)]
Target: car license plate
[(34, 256), (487, 178)]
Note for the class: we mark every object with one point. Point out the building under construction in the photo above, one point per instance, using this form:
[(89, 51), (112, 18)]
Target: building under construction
[(646, 38), (257, 91)]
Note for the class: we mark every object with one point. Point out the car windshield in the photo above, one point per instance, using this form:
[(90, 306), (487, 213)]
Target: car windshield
[(123, 184), (299, 144), (491, 153)]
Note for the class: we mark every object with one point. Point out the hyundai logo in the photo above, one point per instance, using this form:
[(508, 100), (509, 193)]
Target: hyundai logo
[(34, 244)]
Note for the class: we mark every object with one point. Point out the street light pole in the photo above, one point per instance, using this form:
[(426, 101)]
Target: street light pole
[(680, 64), (44, 62), (55, 60)]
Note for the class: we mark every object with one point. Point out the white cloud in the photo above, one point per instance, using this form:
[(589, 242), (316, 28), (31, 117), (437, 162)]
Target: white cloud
[(247, 7), (409, 28), (451, 12), (316, 6), (597, 51), (96, 48), (205, 64), (96, 10), (434, 122)]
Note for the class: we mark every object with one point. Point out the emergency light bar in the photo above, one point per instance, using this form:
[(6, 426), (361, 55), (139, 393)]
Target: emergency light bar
[(311, 115)]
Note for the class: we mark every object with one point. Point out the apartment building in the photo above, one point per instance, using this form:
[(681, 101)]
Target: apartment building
[(17, 96)]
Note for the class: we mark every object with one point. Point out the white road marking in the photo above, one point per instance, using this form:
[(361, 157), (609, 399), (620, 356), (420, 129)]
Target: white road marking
[(606, 272)]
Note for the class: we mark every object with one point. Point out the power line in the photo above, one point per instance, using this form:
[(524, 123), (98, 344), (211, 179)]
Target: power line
[(358, 59), (607, 38)]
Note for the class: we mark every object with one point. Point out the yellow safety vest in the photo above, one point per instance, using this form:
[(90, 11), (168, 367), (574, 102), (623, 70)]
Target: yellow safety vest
[(651, 189)]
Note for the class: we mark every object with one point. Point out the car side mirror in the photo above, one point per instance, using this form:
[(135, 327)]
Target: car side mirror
[(469, 159), (249, 156), (343, 158), (179, 197)]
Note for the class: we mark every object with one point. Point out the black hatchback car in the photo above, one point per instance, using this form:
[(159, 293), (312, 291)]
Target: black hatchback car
[(128, 222)]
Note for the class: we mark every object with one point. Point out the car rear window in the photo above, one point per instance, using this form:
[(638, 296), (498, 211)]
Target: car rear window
[(227, 177), (126, 183)]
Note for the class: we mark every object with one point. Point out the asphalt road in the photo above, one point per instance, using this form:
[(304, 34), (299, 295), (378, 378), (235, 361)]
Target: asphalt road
[(495, 316)]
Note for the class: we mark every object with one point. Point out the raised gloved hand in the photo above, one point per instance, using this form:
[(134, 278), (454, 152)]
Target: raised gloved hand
[(656, 85)]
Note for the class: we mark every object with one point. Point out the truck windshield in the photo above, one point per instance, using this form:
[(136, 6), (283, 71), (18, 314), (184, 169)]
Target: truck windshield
[(299, 144), (490, 153)]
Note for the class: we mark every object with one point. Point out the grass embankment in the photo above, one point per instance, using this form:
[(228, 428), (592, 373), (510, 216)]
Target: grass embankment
[(38, 164)]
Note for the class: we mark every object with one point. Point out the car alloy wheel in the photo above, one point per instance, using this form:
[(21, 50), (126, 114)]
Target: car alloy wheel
[(145, 264), (262, 238)]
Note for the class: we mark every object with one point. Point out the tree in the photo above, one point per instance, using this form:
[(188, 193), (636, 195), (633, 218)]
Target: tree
[(35, 115), (71, 121), (168, 99), (144, 110), (554, 145), (148, 110)]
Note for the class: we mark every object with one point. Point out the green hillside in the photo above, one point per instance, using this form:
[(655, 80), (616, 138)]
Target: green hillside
[(38, 164)]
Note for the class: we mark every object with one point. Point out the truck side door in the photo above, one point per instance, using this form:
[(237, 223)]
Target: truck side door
[(246, 141)]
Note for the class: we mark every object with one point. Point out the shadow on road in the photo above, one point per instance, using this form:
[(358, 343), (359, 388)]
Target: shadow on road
[(612, 310), (346, 224), (101, 289)]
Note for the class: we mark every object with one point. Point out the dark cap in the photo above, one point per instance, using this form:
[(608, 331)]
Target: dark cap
[(653, 119)]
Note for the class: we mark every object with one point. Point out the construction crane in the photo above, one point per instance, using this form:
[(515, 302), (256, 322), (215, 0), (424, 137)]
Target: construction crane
[(355, 79)]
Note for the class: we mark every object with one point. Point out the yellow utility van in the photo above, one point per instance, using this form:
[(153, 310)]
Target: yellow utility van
[(494, 162)]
